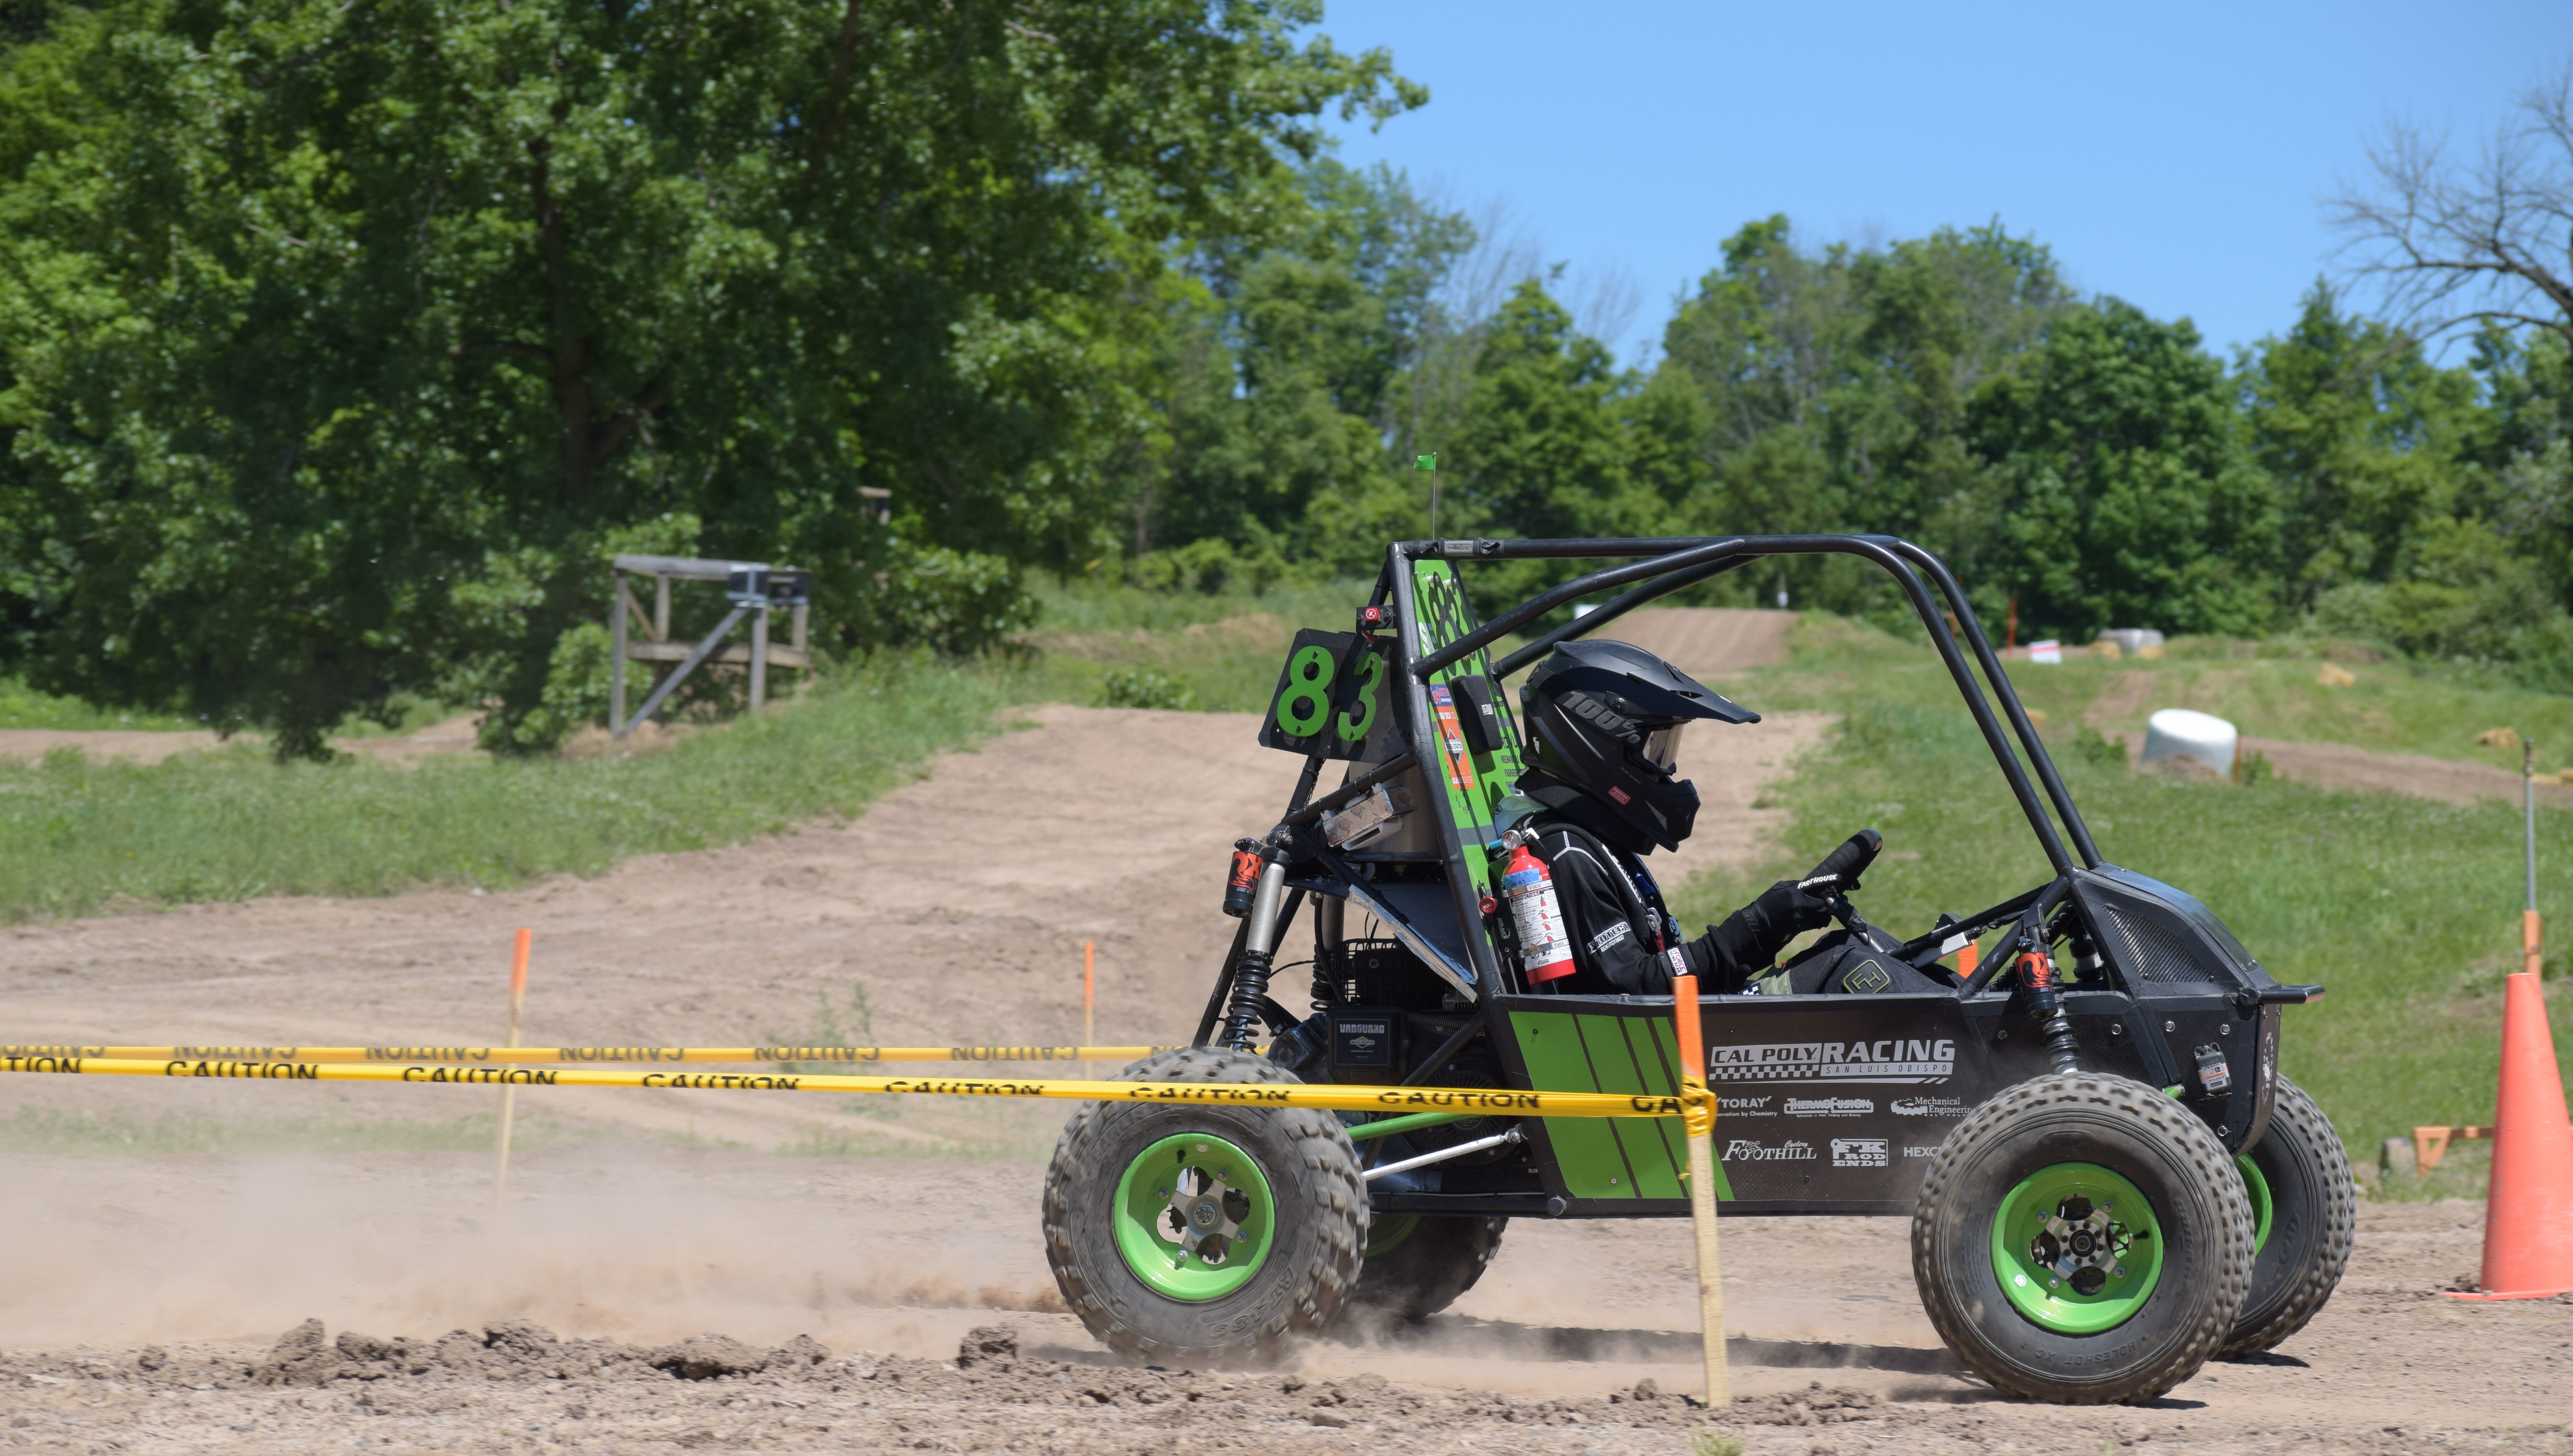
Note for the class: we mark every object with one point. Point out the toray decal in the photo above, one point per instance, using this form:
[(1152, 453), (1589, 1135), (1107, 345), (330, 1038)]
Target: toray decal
[(1893, 1059)]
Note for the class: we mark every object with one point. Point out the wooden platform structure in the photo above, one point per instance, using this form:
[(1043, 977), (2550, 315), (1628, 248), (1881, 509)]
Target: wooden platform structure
[(755, 588)]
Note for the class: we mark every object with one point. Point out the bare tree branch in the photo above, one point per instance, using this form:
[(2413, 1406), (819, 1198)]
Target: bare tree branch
[(2452, 241)]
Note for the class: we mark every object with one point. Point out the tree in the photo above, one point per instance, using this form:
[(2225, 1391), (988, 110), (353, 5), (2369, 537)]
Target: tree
[(2129, 497), (342, 341), (2363, 435), (2483, 240), (1837, 381)]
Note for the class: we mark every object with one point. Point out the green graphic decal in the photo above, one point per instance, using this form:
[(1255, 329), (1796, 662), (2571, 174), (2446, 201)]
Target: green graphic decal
[(1610, 1158)]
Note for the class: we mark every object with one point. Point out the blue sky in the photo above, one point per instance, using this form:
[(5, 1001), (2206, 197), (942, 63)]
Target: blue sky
[(2174, 155)]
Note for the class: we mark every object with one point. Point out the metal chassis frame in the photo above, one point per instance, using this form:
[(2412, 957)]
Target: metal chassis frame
[(1657, 567)]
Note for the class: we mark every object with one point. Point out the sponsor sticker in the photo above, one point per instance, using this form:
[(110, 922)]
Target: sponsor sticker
[(1829, 1107), (1749, 1150), (1928, 1107), (1911, 1151), (1746, 1106), (1894, 1060), (1857, 1151)]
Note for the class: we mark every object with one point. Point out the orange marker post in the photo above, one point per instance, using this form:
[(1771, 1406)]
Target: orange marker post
[(1089, 996), (1700, 1123), (509, 1092)]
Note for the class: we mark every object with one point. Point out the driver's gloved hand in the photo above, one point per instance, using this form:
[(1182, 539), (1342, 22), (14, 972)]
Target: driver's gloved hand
[(1753, 936)]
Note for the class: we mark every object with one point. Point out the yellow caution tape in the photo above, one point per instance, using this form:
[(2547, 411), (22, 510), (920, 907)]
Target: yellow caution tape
[(539, 1055), (1699, 1120), (1248, 1094)]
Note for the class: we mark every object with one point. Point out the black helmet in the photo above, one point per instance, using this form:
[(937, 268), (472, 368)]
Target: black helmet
[(1607, 718)]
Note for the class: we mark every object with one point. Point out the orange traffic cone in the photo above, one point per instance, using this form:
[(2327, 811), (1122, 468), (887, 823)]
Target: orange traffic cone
[(2528, 1214)]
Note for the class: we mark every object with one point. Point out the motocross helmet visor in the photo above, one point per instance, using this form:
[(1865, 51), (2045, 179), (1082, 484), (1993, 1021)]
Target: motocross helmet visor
[(1663, 747), (1607, 718)]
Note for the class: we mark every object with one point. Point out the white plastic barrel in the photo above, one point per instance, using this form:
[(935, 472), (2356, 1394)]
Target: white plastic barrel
[(2182, 733)]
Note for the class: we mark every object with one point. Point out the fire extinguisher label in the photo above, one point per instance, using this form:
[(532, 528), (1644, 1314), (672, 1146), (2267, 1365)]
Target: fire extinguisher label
[(1546, 950)]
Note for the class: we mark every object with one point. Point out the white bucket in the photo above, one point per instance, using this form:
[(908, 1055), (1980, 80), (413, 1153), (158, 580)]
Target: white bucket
[(2182, 733)]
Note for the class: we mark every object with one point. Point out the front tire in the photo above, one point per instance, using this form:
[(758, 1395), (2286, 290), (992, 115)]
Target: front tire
[(1204, 1235), (1417, 1265), (2083, 1240), (2305, 1209)]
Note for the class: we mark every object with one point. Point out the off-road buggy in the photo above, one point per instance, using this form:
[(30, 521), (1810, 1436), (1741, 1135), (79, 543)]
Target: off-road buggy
[(2108, 1179)]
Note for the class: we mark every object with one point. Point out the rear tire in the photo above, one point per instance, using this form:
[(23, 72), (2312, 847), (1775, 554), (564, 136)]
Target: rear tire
[(1284, 1181), (1418, 1265), (2312, 1217), (2083, 1240)]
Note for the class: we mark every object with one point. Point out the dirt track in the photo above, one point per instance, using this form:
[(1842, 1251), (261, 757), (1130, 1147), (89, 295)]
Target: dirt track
[(961, 902), (886, 1264)]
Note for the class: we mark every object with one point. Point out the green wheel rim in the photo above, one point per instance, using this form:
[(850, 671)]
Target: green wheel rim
[(2255, 1185), (1216, 1184), (1388, 1232), (2106, 1243)]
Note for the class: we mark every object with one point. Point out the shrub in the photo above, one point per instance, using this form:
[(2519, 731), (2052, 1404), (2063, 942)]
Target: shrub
[(1144, 687)]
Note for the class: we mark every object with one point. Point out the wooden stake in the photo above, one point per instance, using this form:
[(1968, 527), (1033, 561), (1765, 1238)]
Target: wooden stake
[(509, 1092), (1701, 1158)]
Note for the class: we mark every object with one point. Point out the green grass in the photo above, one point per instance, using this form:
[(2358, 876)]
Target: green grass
[(77, 835), (2265, 689), (23, 707), (1215, 653), (2406, 908)]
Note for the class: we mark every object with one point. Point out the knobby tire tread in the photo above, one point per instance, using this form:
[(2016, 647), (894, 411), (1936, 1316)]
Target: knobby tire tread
[(1324, 1158), (2205, 1160), (2295, 1115)]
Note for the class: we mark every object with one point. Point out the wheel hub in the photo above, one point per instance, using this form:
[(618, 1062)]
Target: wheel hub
[(1206, 1215), (2083, 1245), (2076, 1248), (1195, 1217)]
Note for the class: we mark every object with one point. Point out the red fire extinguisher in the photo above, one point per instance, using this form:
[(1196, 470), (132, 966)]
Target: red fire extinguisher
[(1546, 950)]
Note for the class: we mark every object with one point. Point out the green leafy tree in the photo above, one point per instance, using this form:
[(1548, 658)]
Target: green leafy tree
[(1836, 383), (2130, 498), (2362, 435), (339, 339)]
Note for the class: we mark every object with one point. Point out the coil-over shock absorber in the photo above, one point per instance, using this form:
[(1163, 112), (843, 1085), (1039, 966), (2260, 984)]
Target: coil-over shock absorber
[(1258, 945)]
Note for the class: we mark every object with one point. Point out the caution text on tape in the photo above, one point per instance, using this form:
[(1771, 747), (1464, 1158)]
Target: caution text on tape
[(1325, 1097), (541, 1054)]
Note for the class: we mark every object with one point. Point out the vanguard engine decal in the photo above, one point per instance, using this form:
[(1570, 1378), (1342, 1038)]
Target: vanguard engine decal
[(1889, 1060)]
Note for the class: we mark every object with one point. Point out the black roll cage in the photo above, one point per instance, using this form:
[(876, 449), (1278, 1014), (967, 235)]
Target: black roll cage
[(1671, 563)]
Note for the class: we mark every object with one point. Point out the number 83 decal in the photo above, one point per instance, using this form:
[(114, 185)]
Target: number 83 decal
[(1307, 699)]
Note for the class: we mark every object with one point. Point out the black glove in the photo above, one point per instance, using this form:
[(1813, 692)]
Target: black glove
[(1752, 936)]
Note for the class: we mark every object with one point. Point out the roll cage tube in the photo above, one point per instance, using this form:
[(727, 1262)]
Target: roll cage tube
[(1696, 557)]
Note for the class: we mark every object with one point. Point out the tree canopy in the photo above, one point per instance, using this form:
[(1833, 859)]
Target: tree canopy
[(341, 343)]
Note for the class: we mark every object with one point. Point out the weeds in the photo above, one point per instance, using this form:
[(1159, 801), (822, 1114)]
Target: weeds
[(1144, 687)]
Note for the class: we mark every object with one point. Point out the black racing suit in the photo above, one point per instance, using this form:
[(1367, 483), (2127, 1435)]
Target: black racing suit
[(1624, 940)]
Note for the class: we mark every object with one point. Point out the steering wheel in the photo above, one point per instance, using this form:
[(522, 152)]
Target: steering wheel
[(1838, 875)]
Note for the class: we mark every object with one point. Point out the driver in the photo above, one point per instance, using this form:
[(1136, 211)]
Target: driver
[(1606, 720)]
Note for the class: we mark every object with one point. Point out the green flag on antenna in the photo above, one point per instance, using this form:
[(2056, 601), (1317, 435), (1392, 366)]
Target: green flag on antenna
[(1426, 462)]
